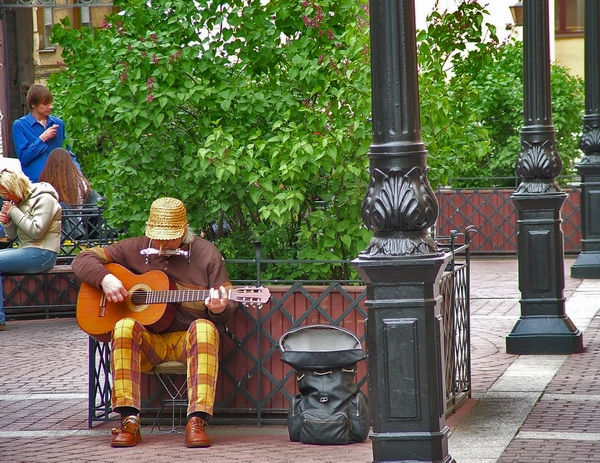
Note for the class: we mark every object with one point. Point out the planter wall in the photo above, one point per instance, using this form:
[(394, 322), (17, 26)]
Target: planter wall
[(252, 378), (493, 214)]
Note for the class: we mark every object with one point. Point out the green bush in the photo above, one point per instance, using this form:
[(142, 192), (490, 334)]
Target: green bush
[(499, 105), (472, 101), (256, 116)]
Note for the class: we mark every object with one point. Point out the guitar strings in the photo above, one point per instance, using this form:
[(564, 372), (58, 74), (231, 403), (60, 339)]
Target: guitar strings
[(141, 296)]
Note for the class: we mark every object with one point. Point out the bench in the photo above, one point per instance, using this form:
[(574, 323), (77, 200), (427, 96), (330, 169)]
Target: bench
[(53, 293)]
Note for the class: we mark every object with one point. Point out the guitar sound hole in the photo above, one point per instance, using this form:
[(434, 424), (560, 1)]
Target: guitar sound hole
[(138, 297)]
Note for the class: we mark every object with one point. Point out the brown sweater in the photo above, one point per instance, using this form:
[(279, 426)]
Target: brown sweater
[(204, 268)]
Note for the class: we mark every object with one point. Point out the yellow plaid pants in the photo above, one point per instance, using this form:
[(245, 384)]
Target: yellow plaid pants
[(136, 350)]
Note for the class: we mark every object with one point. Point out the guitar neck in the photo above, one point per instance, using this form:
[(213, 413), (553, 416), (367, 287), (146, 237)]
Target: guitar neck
[(171, 296)]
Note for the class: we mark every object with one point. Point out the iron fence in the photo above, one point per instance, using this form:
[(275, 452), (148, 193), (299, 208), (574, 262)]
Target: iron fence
[(255, 386)]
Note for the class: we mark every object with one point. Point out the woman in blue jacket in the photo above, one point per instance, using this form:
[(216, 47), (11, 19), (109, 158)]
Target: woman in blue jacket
[(38, 133)]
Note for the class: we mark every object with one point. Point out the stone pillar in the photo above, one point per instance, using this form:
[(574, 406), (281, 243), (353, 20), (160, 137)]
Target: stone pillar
[(543, 327), (402, 265), (587, 264)]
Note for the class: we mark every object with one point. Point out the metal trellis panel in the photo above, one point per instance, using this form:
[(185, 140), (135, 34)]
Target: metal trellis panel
[(493, 213)]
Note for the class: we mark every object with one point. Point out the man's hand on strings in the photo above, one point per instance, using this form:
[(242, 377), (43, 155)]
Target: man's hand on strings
[(113, 288)]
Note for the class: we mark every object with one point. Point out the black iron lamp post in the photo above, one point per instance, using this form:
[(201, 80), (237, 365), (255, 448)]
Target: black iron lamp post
[(587, 264), (402, 263), (543, 327)]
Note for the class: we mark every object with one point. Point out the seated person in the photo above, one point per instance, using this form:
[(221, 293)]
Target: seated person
[(61, 172), (191, 337), (31, 213), (73, 188)]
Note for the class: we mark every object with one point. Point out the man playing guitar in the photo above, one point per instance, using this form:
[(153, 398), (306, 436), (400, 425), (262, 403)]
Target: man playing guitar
[(188, 332)]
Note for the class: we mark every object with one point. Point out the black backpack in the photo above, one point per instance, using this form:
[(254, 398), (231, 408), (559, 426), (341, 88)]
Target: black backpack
[(329, 408)]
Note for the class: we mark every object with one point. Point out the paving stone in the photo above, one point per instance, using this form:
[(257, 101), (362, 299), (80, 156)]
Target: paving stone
[(43, 390)]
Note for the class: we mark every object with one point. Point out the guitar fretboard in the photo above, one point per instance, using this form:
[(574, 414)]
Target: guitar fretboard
[(140, 296)]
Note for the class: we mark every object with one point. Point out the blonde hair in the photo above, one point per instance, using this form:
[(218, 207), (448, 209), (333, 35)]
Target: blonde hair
[(16, 183)]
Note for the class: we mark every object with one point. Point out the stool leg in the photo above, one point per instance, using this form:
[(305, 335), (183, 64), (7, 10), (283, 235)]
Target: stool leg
[(158, 415), (177, 397)]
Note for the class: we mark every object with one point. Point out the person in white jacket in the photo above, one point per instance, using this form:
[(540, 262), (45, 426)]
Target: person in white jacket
[(32, 214)]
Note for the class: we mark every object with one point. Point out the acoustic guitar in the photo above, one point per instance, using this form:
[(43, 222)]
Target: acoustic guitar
[(150, 302)]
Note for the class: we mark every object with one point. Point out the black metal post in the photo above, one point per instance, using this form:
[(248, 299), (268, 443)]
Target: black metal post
[(543, 327), (258, 252), (587, 264), (402, 264)]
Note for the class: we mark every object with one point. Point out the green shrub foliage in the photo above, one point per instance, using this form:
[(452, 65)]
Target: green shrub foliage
[(257, 116), (472, 101)]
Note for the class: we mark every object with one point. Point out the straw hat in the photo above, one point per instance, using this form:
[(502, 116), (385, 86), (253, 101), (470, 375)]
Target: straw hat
[(167, 220)]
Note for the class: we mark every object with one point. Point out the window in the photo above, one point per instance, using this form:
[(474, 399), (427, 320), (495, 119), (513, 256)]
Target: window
[(86, 20), (45, 23), (569, 16), (82, 16)]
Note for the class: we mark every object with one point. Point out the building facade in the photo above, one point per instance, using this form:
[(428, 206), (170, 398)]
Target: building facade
[(27, 54)]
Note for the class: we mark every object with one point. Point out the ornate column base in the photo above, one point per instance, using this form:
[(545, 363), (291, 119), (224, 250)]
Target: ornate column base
[(395, 446), (404, 357), (544, 335), (587, 264), (543, 327)]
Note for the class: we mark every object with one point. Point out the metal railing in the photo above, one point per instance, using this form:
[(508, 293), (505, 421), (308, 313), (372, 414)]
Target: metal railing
[(254, 386), (83, 227), (455, 289)]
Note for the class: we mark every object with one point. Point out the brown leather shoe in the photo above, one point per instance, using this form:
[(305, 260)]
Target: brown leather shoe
[(194, 433), (128, 434)]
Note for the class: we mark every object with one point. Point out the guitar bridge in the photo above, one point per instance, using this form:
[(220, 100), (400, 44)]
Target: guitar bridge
[(102, 311)]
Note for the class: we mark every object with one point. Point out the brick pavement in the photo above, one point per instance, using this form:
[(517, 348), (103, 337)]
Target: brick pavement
[(564, 425), (43, 390)]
